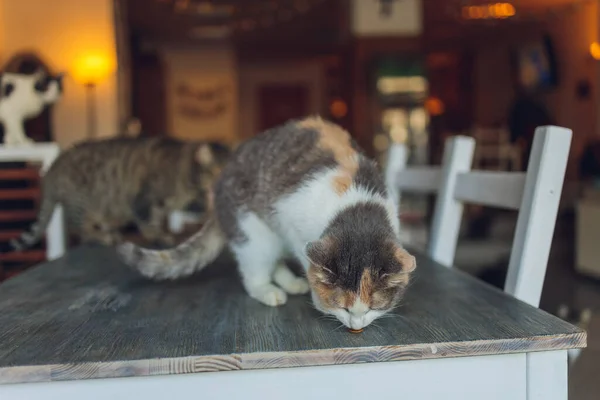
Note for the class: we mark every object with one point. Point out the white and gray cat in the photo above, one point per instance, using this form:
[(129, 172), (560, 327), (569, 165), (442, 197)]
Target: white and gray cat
[(25, 96), (303, 190)]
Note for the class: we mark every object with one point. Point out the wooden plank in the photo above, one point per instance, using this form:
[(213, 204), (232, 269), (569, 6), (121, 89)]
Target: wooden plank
[(17, 215), (87, 312), (31, 174), (8, 235), (491, 188), (473, 378), (29, 256), (19, 194)]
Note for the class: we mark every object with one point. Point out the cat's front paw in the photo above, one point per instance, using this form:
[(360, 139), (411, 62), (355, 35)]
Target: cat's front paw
[(296, 286), (269, 295)]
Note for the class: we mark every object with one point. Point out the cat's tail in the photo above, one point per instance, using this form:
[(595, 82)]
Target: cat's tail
[(34, 234), (189, 257)]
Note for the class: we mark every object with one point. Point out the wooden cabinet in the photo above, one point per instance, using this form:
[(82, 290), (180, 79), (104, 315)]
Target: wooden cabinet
[(19, 195)]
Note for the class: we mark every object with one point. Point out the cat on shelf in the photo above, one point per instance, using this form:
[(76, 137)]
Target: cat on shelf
[(301, 190), (25, 96)]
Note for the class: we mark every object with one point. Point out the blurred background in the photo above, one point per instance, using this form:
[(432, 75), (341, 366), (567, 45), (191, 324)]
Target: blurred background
[(410, 71)]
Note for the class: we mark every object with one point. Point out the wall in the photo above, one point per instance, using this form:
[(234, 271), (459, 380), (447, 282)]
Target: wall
[(202, 69), (493, 85), (572, 36), (571, 32), (252, 76), (60, 31)]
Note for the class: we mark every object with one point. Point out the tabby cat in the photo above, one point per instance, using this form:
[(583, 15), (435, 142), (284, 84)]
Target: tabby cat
[(106, 184), (304, 190)]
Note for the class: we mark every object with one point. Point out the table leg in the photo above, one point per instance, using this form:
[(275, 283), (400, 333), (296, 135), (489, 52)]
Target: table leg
[(547, 375)]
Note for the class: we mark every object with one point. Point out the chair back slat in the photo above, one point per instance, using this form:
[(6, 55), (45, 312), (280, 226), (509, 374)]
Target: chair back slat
[(490, 188), (537, 216), (458, 156), (396, 163), (419, 180)]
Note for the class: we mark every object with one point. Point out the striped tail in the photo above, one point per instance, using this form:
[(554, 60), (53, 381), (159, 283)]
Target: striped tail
[(189, 257), (35, 233)]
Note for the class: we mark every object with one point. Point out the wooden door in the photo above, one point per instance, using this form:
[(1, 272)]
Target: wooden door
[(149, 93), (280, 103)]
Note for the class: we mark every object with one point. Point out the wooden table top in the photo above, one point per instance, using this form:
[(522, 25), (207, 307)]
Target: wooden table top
[(88, 316)]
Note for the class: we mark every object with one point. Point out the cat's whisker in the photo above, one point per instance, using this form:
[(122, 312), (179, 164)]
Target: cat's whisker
[(374, 325)]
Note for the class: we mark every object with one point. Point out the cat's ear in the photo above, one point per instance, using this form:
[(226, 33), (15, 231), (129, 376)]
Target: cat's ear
[(406, 261), (39, 73), (319, 251), (404, 264)]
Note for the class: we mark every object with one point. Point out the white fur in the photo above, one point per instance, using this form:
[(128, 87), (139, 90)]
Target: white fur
[(24, 102), (356, 317), (299, 218)]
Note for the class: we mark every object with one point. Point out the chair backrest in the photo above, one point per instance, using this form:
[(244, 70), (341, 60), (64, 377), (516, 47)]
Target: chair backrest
[(45, 153), (458, 153), (423, 179), (536, 194)]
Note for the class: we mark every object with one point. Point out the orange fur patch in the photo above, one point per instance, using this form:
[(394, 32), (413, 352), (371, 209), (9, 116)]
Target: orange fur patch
[(407, 261), (329, 296), (366, 287), (398, 279), (335, 139), (341, 183)]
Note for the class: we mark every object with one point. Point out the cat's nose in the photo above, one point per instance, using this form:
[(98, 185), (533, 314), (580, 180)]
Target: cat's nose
[(357, 322)]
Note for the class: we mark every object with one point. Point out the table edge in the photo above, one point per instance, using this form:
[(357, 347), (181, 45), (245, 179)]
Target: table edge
[(270, 360)]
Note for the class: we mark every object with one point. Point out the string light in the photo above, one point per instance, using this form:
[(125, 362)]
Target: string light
[(489, 11), (595, 50), (338, 108)]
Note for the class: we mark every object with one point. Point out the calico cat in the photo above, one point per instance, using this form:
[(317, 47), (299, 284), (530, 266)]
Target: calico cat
[(303, 190), (25, 96), (106, 184)]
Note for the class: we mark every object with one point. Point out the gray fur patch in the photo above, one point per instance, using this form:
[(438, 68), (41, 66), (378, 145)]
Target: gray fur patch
[(265, 168), (368, 176)]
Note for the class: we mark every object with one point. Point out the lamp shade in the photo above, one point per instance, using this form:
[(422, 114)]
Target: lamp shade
[(92, 68)]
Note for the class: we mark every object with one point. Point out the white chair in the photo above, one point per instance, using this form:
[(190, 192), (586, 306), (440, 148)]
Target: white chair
[(44, 153), (424, 179), (535, 194)]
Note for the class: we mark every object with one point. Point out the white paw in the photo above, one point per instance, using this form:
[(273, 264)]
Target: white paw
[(296, 286), (269, 294)]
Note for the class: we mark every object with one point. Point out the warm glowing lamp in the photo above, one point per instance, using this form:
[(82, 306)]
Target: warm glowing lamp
[(338, 108), (595, 50), (90, 69)]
